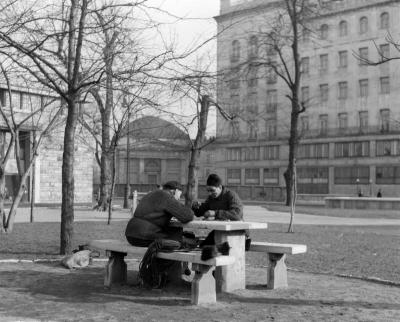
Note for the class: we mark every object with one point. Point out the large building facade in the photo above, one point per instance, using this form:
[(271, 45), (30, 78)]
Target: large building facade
[(44, 184), (350, 130)]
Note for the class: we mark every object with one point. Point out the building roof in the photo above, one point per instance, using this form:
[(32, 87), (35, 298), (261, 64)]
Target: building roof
[(151, 127)]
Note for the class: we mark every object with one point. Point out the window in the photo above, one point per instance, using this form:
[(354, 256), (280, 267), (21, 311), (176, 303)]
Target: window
[(253, 47), (324, 92), (305, 95), (16, 99), (233, 176), (384, 51), (363, 87), (363, 25), (234, 82), (235, 104), (387, 175), (313, 151), (252, 79), (343, 59), (271, 152), (384, 21), (233, 154), (252, 128), (351, 149), (272, 100), (271, 76), (312, 175), (252, 153), (271, 176), (235, 129), (305, 65), (342, 121), (343, 28), (3, 97), (306, 35), (235, 55), (363, 115), (385, 85), (324, 31), (363, 53), (271, 128), (252, 106), (343, 90), (385, 120), (305, 124), (387, 147), (323, 124), (252, 177), (351, 175), (323, 63)]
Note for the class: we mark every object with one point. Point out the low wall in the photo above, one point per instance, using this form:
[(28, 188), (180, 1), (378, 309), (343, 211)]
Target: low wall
[(362, 203)]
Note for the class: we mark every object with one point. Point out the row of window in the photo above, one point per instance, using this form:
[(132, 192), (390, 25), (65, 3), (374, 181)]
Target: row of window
[(343, 90), (316, 151), (25, 101), (343, 122), (353, 175), (324, 33), (343, 59), (343, 27)]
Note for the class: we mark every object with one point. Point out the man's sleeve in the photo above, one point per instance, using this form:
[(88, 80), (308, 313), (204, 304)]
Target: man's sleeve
[(234, 211), (179, 211), (202, 209)]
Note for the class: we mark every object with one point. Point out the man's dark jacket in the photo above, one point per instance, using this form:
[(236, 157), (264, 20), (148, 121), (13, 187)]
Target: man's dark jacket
[(227, 206), (153, 214)]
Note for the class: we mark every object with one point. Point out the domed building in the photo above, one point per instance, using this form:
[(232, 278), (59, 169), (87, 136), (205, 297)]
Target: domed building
[(155, 151)]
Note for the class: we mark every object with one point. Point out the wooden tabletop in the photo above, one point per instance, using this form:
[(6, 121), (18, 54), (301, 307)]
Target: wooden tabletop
[(221, 225)]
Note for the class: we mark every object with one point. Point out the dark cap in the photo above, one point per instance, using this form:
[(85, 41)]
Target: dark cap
[(214, 180), (172, 185)]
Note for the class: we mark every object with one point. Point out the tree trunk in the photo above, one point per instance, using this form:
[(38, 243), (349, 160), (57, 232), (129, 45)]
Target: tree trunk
[(2, 197), (293, 197), (67, 205), (193, 178), (112, 187)]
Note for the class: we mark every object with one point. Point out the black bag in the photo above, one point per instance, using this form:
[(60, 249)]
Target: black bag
[(152, 270)]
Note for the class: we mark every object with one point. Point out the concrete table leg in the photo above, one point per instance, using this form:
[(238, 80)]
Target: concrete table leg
[(203, 285), (231, 277), (115, 269), (277, 271)]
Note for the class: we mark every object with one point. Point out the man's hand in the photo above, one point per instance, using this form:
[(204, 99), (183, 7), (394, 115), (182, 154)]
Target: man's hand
[(196, 204), (209, 215)]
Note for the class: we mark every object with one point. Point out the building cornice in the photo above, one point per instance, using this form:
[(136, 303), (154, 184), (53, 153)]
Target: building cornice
[(246, 11)]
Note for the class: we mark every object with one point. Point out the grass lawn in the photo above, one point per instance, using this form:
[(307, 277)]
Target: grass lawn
[(345, 213), (357, 251)]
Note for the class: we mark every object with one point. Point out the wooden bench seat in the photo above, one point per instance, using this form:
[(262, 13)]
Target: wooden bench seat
[(277, 270), (203, 284)]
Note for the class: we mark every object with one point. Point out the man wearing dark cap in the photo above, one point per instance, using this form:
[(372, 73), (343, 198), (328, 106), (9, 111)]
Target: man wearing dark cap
[(221, 204), (153, 214)]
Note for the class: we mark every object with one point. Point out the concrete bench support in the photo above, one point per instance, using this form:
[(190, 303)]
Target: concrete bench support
[(203, 284), (116, 271), (277, 269)]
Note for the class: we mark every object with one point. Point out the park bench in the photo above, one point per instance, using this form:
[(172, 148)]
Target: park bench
[(277, 270), (203, 284)]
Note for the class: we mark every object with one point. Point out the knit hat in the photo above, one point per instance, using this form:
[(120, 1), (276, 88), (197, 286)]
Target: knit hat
[(214, 180), (172, 185)]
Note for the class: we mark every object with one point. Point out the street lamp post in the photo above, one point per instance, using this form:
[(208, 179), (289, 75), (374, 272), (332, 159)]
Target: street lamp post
[(127, 186)]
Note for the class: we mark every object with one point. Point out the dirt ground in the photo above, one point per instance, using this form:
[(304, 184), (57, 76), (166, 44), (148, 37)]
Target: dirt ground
[(47, 292)]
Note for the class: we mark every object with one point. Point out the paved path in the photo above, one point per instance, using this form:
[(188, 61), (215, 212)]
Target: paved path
[(252, 213)]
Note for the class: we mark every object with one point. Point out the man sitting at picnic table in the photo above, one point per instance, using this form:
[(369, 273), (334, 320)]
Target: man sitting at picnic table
[(221, 204), (151, 220)]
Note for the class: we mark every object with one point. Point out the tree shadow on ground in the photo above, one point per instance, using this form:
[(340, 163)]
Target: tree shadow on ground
[(52, 281), (304, 301)]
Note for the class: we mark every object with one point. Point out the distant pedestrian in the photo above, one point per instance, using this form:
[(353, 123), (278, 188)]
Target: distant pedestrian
[(360, 193), (379, 194)]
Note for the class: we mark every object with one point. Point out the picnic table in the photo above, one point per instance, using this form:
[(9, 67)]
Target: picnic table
[(230, 277)]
